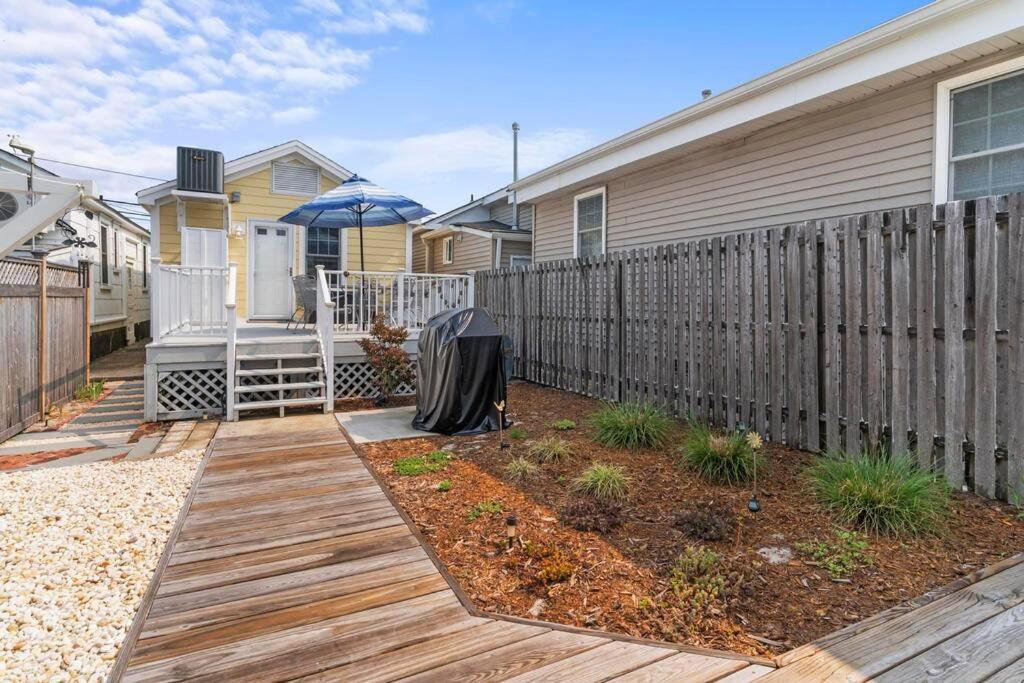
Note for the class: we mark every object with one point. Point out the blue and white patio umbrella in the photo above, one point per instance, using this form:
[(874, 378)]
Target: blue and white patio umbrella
[(357, 203)]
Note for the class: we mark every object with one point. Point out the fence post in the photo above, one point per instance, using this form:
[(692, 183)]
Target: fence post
[(471, 289), (42, 339), (85, 270), (620, 331)]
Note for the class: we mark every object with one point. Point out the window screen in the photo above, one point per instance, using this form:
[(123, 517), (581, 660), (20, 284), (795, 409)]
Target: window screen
[(590, 225), (987, 138)]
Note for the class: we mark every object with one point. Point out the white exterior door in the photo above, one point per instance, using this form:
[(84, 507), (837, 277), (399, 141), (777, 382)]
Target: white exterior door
[(272, 257)]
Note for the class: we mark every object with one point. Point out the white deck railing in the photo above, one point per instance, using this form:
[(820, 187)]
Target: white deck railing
[(188, 299), (405, 299)]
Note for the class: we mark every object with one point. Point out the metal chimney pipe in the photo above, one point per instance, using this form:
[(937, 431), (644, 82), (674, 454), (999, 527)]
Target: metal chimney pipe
[(515, 174)]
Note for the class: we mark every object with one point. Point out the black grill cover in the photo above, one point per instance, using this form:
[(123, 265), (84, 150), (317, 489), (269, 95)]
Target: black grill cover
[(460, 373)]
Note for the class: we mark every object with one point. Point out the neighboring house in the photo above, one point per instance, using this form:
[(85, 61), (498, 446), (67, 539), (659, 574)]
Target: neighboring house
[(240, 225), (119, 306), (480, 235), (926, 108)]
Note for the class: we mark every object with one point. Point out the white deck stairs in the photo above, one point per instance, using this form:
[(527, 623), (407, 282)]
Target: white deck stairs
[(279, 375)]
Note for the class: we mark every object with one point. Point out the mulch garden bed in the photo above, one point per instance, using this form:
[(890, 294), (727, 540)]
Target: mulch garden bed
[(620, 580)]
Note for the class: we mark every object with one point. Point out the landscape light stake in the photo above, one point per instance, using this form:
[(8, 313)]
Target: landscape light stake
[(755, 442), (500, 405), (510, 530)]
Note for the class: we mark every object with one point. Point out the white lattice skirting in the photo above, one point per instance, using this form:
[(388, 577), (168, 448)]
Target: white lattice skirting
[(355, 380), (191, 392)]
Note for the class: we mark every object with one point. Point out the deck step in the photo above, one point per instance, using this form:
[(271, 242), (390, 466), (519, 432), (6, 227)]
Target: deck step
[(281, 403), (253, 372), (249, 388), (277, 356)]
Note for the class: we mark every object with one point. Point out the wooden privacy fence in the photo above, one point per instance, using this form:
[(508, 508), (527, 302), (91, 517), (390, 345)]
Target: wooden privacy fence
[(882, 330), (44, 338)]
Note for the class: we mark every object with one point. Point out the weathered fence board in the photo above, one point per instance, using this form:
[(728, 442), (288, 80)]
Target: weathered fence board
[(888, 330), (43, 332)]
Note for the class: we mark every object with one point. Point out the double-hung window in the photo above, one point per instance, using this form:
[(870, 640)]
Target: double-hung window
[(589, 223), (323, 247), (448, 250), (984, 147), (104, 254)]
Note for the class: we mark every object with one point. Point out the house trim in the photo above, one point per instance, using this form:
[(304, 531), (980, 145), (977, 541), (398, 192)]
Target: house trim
[(943, 131), (603, 191), (926, 33)]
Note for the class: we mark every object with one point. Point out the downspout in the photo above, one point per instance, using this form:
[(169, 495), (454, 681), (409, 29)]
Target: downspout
[(515, 175)]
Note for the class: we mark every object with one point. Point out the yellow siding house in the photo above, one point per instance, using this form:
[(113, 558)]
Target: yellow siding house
[(240, 226)]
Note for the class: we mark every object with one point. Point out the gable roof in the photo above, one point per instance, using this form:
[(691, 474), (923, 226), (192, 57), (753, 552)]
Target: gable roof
[(249, 163), (926, 40), (484, 200), (15, 162)]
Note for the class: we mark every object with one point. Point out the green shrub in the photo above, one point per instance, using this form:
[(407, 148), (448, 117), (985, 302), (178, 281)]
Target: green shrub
[(621, 425), (551, 449), (444, 486), (603, 482), (880, 493), (721, 458), (840, 557), (697, 578), (563, 425), (519, 468), (517, 433), (89, 392), (487, 507), (435, 461)]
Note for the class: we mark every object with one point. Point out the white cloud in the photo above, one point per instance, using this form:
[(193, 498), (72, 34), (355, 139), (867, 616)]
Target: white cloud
[(371, 16), (100, 84), (294, 115)]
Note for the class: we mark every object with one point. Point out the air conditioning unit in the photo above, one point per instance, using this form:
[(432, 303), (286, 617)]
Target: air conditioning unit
[(12, 204), (200, 170)]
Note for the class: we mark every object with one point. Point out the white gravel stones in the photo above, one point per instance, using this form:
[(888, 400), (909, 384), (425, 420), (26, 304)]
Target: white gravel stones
[(78, 546)]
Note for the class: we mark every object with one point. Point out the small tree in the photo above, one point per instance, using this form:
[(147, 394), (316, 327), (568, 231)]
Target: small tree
[(385, 355)]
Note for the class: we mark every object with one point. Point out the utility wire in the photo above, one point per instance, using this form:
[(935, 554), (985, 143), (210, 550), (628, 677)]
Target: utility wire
[(104, 170)]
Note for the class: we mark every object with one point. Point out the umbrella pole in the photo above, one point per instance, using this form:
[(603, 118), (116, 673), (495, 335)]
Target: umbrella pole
[(362, 257)]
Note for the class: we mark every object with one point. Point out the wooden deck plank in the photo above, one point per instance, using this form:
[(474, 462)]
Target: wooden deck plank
[(683, 668), (429, 654), (512, 660), (747, 673), (593, 666), (1014, 673)]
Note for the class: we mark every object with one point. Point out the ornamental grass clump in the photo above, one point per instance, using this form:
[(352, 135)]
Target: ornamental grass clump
[(730, 458), (632, 426), (882, 494), (609, 483), (519, 468), (548, 450)]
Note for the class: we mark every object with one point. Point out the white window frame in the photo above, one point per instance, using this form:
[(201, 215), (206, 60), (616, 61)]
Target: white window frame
[(519, 261), (943, 128), (576, 218), (448, 250)]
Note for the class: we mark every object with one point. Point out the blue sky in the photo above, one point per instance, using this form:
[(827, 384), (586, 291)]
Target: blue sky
[(416, 95)]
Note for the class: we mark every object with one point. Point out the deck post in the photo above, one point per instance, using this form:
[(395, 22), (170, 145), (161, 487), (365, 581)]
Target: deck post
[(471, 289), (231, 341), (400, 315), (154, 299), (325, 332)]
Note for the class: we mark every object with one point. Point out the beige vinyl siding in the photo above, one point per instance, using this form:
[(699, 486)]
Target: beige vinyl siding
[(510, 248), (503, 212), (472, 253), (419, 254), (869, 155)]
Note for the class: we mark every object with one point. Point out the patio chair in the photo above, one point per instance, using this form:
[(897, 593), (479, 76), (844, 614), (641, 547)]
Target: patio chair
[(305, 301)]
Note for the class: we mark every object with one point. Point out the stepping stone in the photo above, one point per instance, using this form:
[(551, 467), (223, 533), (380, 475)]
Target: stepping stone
[(89, 418), (86, 430), (73, 441), (133, 384), (115, 408), (95, 455), (144, 447)]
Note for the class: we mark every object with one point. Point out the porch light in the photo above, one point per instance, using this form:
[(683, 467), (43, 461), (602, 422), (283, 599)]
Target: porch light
[(237, 229)]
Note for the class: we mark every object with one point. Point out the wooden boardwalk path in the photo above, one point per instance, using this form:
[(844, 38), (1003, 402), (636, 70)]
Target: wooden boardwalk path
[(290, 563)]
